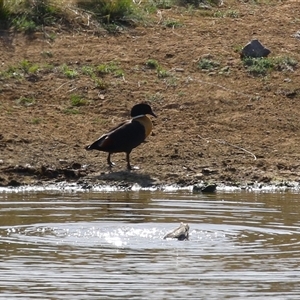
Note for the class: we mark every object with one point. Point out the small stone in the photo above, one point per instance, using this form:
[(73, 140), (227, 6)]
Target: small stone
[(63, 161), (179, 69), (297, 35)]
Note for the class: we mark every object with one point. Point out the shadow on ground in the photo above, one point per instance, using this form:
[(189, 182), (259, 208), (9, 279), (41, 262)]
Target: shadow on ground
[(144, 180)]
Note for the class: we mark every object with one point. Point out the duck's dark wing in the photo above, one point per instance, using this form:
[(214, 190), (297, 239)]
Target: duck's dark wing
[(122, 138)]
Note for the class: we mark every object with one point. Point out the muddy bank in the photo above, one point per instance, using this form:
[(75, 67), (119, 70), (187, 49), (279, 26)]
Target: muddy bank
[(219, 125), (77, 179)]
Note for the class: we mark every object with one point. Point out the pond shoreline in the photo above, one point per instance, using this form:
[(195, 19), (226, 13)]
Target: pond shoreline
[(101, 186)]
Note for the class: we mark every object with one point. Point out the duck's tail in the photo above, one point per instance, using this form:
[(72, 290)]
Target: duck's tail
[(97, 145)]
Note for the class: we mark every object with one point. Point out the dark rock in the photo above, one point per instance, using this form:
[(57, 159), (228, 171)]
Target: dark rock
[(69, 173), (208, 171), (209, 188), (181, 233), (76, 166), (13, 183), (254, 49)]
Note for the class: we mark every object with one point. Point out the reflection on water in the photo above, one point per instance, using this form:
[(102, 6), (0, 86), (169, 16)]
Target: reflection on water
[(111, 246)]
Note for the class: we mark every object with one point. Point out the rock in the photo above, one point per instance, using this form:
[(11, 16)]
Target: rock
[(76, 166), (209, 188), (297, 35), (14, 183), (181, 233), (254, 49)]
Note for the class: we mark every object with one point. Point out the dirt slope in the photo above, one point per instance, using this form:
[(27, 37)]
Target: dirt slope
[(221, 125)]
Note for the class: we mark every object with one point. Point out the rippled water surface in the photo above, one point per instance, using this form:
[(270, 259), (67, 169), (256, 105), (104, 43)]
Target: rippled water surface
[(110, 245)]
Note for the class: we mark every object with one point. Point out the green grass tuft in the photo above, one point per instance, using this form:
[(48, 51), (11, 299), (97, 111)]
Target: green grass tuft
[(109, 11), (68, 72), (25, 101), (208, 64), (77, 101)]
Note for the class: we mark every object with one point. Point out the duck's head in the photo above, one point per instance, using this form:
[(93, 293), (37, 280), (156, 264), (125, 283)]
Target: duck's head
[(142, 109)]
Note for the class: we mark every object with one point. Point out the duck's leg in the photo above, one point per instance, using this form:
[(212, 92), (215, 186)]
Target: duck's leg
[(128, 161), (129, 167), (110, 164)]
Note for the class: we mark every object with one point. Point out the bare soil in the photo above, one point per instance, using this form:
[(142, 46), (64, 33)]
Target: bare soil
[(221, 125)]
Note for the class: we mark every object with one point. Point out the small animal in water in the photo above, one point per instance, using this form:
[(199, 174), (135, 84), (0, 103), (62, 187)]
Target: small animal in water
[(127, 135), (181, 233)]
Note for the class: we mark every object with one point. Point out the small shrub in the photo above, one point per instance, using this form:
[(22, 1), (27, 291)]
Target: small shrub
[(36, 121), (109, 11), (153, 5), (47, 54), (77, 101), (111, 67), (71, 111), (106, 68), (88, 70), (99, 83), (29, 15), (285, 64), (172, 23), (28, 68), (152, 64), (261, 66), (258, 66), (157, 97), (25, 101), (162, 73), (70, 73), (119, 73), (22, 23), (208, 64), (227, 14), (4, 15)]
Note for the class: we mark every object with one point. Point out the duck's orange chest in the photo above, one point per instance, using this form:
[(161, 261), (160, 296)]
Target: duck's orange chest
[(146, 122)]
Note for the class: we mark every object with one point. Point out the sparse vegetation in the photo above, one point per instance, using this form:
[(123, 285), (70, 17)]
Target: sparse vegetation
[(68, 72), (28, 67), (111, 11), (157, 97), (153, 64), (172, 23), (88, 70), (36, 121), (25, 101), (77, 100), (262, 66), (111, 67), (227, 14), (71, 111), (47, 54), (20, 70), (208, 64), (29, 16)]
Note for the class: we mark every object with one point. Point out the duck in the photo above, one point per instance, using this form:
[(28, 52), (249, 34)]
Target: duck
[(181, 233), (127, 135)]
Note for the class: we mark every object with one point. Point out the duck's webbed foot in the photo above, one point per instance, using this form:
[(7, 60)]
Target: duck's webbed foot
[(129, 167), (109, 162)]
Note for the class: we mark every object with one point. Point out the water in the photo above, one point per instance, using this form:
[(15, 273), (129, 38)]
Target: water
[(110, 245)]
